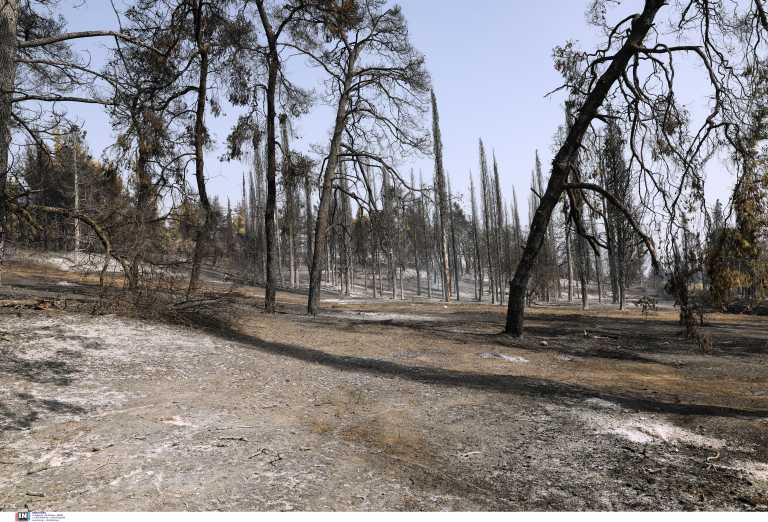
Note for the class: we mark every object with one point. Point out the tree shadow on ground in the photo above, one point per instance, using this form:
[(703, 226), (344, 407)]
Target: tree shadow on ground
[(19, 411), (22, 410), (654, 336), (628, 339), (571, 343), (508, 384), (38, 371)]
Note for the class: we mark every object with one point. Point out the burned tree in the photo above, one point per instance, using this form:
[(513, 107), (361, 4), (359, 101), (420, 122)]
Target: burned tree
[(379, 85), (41, 73), (618, 71), (441, 198)]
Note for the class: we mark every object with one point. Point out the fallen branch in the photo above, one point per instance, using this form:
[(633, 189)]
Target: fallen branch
[(98, 230)]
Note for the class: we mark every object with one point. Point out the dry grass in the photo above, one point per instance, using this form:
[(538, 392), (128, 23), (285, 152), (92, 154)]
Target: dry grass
[(456, 344), (393, 408)]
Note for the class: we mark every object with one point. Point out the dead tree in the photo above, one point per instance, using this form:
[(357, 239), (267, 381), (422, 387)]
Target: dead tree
[(665, 149), (566, 156), (456, 270), (39, 72), (442, 199), (379, 83), (199, 140), (478, 262), (485, 204), (499, 230)]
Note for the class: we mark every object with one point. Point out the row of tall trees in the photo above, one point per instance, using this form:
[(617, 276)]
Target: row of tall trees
[(171, 61), (628, 166)]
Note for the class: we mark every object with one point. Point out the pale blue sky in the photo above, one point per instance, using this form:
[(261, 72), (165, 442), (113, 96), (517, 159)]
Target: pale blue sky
[(491, 65)]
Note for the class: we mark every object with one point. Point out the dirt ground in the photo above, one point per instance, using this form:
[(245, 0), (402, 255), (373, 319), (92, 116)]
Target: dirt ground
[(390, 405)]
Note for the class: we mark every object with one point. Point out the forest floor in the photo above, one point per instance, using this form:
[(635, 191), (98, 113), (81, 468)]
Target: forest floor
[(389, 405)]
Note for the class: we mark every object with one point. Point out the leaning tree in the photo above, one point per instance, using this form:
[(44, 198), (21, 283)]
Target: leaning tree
[(634, 70)]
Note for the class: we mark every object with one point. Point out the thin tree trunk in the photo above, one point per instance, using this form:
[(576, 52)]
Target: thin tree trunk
[(257, 187), (346, 215), (424, 212), (143, 186), (620, 274), (476, 239), (429, 265), (456, 276), (442, 205), (273, 66), (290, 199), (598, 267), (583, 271), (499, 225), (308, 218), (487, 222), (612, 268), (321, 228), (201, 237), (278, 245), (381, 278)]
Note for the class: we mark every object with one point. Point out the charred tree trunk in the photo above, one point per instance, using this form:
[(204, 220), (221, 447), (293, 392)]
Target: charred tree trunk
[(258, 207), (442, 204), (621, 277), (308, 218), (346, 234), (203, 232), (290, 200), (612, 265), (487, 221), (143, 188), (456, 274), (417, 216), (478, 262), (270, 232), (598, 266), (499, 226), (9, 14), (323, 211), (566, 158), (427, 245)]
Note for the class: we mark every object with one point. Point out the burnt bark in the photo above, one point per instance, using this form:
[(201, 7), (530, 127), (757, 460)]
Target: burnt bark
[(9, 12), (270, 232), (203, 231), (143, 189), (565, 160), (323, 211), (289, 183), (308, 217), (442, 204), (476, 241)]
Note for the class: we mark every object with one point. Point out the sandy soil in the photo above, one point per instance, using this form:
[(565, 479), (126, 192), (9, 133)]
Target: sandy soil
[(374, 406)]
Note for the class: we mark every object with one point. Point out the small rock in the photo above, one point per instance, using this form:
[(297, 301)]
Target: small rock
[(544, 343)]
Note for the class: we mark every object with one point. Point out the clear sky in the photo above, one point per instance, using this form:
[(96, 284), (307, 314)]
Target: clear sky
[(491, 65)]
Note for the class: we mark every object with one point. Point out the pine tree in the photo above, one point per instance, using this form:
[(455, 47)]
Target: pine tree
[(442, 199), (478, 262)]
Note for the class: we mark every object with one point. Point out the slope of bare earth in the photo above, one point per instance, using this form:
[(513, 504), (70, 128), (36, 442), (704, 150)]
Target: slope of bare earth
[(375, 406)]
